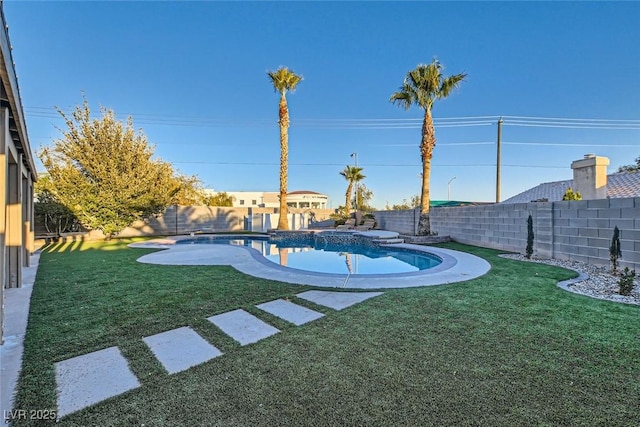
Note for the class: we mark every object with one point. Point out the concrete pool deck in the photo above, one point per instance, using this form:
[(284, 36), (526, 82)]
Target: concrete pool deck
[(456, 266)]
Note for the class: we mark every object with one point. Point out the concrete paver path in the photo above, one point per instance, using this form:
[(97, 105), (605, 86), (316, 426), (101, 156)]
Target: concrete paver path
[(337, 300), (180, 349), (293, 313), (91, 378), (242, 326)]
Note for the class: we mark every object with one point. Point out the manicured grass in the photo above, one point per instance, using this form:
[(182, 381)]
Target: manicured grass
[(509, 348)]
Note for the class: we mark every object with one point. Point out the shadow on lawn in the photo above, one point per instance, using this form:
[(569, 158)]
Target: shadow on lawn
[(84, 245)]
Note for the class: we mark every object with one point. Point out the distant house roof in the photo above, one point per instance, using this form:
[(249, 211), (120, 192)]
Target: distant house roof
[(450, 203), (304, 192), (619, 185)]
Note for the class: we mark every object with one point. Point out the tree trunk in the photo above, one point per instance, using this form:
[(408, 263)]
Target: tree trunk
[(347, 202), (426, 151), (283, 223)]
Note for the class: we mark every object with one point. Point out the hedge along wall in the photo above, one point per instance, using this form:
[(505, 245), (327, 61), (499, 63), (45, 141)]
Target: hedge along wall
[(575, 230)]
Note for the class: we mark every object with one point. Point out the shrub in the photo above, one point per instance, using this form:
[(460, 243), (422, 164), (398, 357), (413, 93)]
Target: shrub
[(626, 281), (571, 195), (614, 250), (529, 250)]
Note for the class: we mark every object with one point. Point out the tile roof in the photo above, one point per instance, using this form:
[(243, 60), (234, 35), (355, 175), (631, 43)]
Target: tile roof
[(619, 185)]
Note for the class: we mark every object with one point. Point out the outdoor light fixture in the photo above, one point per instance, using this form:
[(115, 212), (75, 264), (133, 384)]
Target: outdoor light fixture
[(449, 188)]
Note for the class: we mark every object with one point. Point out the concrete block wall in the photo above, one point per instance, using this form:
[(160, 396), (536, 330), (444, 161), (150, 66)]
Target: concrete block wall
[(497, 226), (575, 230), (186, 219), (403, 222), (583, 230)]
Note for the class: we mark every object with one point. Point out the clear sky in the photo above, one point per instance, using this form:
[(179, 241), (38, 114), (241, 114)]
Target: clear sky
[(193, 77)]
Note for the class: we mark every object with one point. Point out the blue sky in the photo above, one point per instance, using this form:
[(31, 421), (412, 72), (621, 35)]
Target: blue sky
[(193, 77)]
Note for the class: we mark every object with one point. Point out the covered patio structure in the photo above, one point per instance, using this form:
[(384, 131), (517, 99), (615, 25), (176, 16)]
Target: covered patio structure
[(17, 176)]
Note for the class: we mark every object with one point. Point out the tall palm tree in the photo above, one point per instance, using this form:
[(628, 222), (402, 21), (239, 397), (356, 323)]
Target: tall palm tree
[(422, 87), (284, 80), (352, 174)]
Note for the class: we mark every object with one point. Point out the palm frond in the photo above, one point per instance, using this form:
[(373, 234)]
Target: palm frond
[(449, 84), (352, 173), (284, 80), (423, 85), (402, 98)]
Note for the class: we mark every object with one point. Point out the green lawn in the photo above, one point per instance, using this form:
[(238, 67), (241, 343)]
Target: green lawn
[(507, 349)]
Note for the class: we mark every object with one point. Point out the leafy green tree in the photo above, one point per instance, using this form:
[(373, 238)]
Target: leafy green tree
[(422, 87), (405, 205), (103, 171), (353, 175), (572, 195), (220, 199), (284, 80), (362, 198), (49, 212), (400, 206), (631, 168), (190, 192)]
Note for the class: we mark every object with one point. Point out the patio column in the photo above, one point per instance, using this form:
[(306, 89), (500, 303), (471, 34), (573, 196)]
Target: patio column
[(14, 224), (4, 130)]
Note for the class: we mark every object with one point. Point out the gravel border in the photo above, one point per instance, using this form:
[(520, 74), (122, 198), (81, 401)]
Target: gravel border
[(593, 281)]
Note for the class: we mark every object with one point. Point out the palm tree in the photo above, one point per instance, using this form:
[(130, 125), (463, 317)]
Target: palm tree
[(352, 174), (283, 80), (422, 87)]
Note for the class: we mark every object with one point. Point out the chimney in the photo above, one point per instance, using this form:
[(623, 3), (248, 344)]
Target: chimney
[(590, 176)]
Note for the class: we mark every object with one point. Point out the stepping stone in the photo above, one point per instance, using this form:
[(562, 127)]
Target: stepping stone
[(180, 349), (290, 312), (242, 326), (91, 378), (337, 300)]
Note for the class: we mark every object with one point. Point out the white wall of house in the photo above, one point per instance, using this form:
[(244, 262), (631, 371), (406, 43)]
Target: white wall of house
[(271, 199)]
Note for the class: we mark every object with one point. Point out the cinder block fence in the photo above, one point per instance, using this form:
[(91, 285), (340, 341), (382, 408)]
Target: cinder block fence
[(177, 220), (572, 230)]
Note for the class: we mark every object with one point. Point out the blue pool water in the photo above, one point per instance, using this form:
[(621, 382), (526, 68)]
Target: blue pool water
[(333, 258)]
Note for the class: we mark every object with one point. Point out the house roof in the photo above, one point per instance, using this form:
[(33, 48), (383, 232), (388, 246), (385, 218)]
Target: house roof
[(304, 192), (619, 185)]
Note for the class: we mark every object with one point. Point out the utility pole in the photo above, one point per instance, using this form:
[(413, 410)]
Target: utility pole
[(498, 161)]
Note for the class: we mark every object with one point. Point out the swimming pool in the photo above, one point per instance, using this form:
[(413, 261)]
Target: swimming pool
[(456, 266), (322, 257)]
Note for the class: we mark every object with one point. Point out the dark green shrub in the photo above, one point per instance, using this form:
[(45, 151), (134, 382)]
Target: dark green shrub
[(626, 281), (614, 250), (529, 251)]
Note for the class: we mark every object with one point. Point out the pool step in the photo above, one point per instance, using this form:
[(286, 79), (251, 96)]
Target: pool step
[(387, 241)]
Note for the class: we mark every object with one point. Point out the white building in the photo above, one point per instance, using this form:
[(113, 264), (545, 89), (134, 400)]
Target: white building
[(303, 199)]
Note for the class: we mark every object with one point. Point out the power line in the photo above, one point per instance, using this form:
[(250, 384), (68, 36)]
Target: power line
[(440, 144), (571, 119), (221, 163), (53, 112), (366, 123), (577, 126), (571, 145)]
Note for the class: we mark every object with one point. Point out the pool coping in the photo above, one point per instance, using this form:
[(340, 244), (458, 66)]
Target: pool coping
[(456, 266)]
